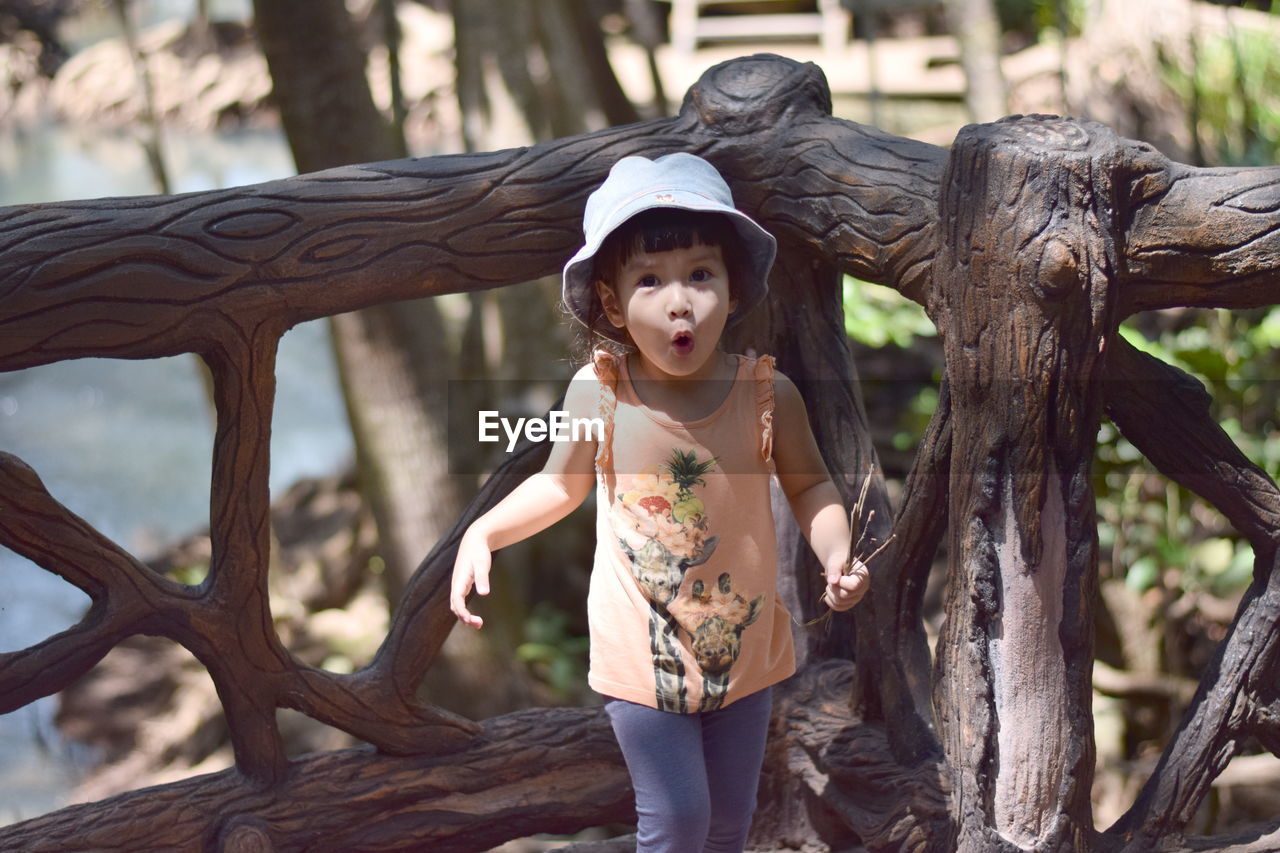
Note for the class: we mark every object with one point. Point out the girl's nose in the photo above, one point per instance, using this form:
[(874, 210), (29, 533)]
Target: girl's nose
[(678, 304)]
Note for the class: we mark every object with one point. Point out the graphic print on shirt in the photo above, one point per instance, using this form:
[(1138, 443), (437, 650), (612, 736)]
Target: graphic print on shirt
[(663, 528)]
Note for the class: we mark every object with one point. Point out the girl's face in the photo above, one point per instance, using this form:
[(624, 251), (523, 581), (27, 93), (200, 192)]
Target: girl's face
[(674, 306)]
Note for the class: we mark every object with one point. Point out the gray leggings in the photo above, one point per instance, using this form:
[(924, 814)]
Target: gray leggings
[(695, 775)]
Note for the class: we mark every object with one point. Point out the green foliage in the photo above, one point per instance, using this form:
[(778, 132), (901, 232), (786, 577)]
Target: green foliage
[(192, 575), (1153, 532), (1233, 90), (915, 419), (876, 315), (1037, 16), (555, 656)]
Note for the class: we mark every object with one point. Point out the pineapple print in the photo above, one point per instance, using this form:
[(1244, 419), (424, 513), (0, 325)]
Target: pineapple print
[(687, 471), (662, 528)]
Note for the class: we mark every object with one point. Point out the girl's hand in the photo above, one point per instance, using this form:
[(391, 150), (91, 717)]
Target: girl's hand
[(471, 566), (846, 585)]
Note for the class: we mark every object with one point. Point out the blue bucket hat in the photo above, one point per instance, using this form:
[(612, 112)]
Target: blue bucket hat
[(681, 181)]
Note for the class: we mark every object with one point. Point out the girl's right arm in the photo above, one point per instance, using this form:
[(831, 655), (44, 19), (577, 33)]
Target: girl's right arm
[(540, 501)]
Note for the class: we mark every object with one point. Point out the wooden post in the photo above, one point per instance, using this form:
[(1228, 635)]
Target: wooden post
[(1024, 299)]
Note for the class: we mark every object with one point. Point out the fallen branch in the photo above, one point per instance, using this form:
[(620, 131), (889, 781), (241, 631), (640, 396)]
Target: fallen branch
[(543, 770)]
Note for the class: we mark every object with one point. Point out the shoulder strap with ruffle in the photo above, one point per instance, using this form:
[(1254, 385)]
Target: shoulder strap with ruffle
[(605, 364), (764, 406)]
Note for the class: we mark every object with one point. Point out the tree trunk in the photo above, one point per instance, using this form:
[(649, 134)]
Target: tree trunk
[(535, 771), (152, 145), (391, 358), (394, 365), (1025, 303), (977, 27)]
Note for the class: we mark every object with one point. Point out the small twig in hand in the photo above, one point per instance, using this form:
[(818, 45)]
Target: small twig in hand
[(856, 542), (867, 560), (855, 547)]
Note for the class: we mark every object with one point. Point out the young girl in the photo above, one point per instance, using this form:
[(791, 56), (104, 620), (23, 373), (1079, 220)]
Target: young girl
[(687, 633)]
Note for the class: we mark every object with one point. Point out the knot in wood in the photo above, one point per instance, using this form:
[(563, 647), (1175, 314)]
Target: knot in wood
[(756, 93), (1059, 269), (245, 835)]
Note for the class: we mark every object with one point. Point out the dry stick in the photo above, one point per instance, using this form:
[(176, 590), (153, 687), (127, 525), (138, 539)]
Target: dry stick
[(877, 551), (854, 548), (855, 545)]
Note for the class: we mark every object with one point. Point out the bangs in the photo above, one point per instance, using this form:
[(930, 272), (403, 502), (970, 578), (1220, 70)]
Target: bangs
[(661, 229)]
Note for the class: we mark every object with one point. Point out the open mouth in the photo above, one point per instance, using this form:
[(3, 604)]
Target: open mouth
[(682, 342)]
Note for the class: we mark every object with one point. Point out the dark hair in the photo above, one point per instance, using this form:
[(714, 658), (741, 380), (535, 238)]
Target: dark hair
[(664, 229), (659, 229)]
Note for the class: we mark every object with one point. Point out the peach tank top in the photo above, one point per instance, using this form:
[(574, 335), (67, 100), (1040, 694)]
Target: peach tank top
[(683, 608)]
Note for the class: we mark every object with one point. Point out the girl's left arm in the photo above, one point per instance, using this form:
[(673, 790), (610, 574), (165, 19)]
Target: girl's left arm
[(814, 499)]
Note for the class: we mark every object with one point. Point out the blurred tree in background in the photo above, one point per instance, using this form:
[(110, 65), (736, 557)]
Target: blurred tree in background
[(397, 362)]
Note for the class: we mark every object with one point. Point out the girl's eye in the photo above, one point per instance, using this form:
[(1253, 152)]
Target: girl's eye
[(700, 274), (647, 281)]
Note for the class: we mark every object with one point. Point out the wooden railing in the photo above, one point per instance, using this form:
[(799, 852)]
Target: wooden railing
[(1027, 242)]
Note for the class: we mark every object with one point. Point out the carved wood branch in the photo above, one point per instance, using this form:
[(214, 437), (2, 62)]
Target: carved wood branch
[(254, 674), (847, 766), (1165, 413), (543, 770), (1266, 721), (127, 596), (228, 270), (1246, 663), (1264, 838), (902, 572), (422, 622), (533, 771), (1204, 237), (235, 593), (142, 277)]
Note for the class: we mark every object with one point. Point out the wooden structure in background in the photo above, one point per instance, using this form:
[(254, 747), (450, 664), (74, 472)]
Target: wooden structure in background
[(1027, 242), (830, 24)]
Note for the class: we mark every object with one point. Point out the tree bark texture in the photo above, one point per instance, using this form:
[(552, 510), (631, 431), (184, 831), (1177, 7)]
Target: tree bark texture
[(1027, 242), (1023, 301), (320, 86)]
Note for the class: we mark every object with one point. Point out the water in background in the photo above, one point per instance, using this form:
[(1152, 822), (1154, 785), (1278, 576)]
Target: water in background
[(127, 444), (97, 21)]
